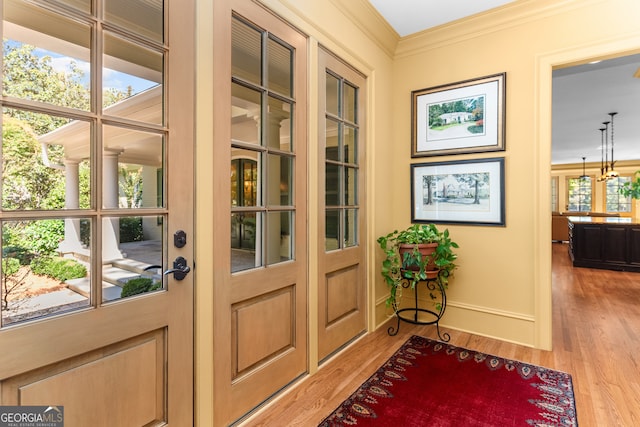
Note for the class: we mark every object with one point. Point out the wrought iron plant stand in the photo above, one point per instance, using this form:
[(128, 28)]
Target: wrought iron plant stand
[(438, 297)]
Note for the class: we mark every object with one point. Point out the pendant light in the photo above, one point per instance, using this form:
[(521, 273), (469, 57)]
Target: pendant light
[(584, 172), (606, 150), (602, 150), (612, 173)]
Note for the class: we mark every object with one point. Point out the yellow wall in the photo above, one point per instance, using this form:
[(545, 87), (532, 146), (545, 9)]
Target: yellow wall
[(502, 288)]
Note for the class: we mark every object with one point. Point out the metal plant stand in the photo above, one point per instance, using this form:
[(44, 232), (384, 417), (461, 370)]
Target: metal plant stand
[(438, 296)]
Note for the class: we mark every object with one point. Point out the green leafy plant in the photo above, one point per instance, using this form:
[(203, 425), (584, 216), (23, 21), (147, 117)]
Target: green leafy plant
[(139, 285), (631, 188), (59, 268), (413, 265)]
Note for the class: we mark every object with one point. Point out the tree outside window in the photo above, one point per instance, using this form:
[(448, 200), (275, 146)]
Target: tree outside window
[(616, 202), (580, 194)]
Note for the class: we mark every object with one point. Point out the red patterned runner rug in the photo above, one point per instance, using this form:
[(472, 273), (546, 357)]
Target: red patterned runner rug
[(430, 383)]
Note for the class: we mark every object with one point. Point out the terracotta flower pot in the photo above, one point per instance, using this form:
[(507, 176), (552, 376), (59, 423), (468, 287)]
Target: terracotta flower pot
[(426, 250)]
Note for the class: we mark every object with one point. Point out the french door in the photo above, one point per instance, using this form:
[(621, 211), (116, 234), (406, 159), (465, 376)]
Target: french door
[(96, 214), (341, 263), (260, 291)]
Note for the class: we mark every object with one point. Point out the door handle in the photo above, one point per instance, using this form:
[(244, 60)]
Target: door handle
[(180, 269)]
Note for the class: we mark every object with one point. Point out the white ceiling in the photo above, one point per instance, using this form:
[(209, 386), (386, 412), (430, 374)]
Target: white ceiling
[(582, 95), (412, 16)]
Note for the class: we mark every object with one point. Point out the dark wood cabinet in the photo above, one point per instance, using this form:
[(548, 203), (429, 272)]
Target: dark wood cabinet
[(609, 243)]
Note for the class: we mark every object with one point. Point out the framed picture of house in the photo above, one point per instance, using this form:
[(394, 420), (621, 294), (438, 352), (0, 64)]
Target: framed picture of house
[(457, 118), (459, 192)]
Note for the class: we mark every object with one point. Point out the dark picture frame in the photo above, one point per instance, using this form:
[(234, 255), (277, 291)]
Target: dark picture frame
[(459, 192), (459, 118)]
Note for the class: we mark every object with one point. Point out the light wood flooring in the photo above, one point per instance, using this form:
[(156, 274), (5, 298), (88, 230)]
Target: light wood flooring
[(596, 338)]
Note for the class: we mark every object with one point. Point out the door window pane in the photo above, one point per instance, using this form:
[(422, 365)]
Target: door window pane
[(245, 114), (279, 234), (145, 18), (351, 186), (279, 131), (246, 52), (45, 162), (331, 139), (131, 162), (332, 185), (35, 280), (280, 61), (132, 81), (132, 256), (350, 139), (332, 90), (245, 246), (351, 227), (83, 5), (46, 56), (332, 229), (279, 190), (349, 105)]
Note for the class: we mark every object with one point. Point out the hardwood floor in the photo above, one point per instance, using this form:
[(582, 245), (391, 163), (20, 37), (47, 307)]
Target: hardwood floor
[(596, 338)]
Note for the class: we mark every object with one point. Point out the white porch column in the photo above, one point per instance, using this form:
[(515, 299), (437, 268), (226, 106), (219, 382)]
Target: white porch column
[(71, 242), (111, 226)]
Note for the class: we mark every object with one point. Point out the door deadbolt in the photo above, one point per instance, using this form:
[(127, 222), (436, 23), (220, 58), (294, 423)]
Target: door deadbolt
[(179, 239)]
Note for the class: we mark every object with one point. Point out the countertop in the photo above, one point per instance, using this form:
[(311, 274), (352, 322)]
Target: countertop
[(603, 220)]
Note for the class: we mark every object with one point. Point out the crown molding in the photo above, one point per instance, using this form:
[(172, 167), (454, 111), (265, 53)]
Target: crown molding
[(368, 20), (504, 17)]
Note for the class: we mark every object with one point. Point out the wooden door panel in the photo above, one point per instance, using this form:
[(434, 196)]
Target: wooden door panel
[(341, 294), (253, 347), (121, 384), (341, 299)]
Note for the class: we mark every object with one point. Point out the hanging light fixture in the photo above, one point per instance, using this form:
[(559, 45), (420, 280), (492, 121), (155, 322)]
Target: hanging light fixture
[(612, 173), (606, 151), (584, 172), (602, 176)]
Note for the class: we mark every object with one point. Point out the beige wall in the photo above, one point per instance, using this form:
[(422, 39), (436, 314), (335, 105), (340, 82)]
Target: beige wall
[(502, 288)]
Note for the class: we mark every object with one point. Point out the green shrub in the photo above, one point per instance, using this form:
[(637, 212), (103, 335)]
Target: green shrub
[(44, 236), (139, 285), (130, 229), (23, 254), (59, 268)]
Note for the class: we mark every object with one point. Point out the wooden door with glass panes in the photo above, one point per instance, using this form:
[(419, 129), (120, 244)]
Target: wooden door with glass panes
[(96, 213), (260, 292), (341, 263)]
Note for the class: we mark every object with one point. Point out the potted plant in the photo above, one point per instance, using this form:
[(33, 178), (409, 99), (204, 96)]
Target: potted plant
[(416, 253)]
